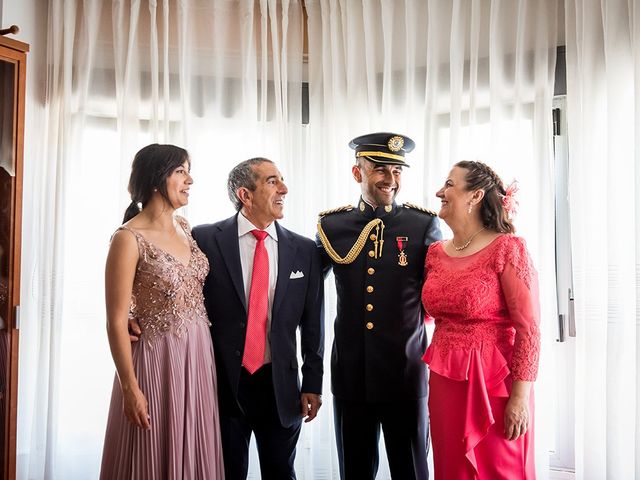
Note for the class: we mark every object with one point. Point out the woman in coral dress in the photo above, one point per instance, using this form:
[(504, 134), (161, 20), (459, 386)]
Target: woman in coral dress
[(481, 288), (163, 419)]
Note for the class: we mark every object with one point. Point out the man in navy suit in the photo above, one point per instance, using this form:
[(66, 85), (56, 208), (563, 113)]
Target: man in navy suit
[(268, 400)]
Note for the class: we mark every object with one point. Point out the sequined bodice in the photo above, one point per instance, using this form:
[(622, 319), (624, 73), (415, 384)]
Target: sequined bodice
[(167, 295)]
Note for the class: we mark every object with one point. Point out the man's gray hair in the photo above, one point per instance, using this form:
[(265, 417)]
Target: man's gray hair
[(242, 175)]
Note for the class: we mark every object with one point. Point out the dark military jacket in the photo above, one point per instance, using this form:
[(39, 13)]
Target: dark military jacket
[(379, 329)]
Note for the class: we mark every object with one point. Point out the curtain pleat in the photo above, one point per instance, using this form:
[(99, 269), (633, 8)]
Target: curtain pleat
[(467, 79), (603, 91)]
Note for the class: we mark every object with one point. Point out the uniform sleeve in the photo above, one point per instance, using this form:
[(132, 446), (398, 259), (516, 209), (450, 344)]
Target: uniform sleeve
[(325, 260), (312, 329), (519, 281), (433, 232)]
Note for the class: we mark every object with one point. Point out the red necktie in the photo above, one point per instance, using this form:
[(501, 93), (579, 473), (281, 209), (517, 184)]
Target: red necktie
[(255, 339)]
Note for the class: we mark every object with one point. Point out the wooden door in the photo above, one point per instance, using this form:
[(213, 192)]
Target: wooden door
[(12, 95)]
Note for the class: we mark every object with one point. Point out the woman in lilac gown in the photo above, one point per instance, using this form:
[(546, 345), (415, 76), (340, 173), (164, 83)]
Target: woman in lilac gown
[(163, 419)]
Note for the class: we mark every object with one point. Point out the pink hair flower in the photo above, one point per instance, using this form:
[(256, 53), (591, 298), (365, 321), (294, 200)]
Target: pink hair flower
[(509, 202)]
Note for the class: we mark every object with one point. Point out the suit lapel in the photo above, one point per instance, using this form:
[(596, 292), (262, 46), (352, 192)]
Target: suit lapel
[(230, 253), (286, 253)]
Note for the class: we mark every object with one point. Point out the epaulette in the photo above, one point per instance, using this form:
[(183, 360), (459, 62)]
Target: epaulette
[(346, 208), (421, 209)]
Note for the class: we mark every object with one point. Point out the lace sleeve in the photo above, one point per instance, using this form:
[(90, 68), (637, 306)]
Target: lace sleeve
[(519, 281), (514, 252)]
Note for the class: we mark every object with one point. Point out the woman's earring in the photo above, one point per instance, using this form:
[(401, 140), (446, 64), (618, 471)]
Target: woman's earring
[(470, 208), (155, 190)]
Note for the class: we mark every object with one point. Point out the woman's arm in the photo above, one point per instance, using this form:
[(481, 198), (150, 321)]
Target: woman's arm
[(119, 274), (519, 281)]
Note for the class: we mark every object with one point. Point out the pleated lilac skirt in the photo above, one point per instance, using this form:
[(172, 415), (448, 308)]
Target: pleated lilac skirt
[(177, 376)]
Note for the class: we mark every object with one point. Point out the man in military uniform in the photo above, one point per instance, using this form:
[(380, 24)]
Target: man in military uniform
[(377, 250)]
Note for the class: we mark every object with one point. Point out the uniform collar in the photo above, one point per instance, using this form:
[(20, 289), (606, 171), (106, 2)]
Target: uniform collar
[(367, 210)]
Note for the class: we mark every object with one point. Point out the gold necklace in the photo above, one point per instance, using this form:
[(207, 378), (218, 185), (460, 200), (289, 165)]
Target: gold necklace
[(467, 243)]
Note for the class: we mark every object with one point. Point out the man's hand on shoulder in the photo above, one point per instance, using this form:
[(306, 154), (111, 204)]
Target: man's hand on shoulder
[(311, 403)]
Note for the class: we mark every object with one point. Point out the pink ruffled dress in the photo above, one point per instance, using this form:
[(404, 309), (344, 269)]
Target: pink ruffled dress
[(486, 313)]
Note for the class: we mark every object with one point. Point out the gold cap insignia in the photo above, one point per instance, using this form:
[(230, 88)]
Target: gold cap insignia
[(395, 143)]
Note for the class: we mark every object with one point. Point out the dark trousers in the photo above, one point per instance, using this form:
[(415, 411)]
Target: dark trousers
[(406, 435), (276, 444)]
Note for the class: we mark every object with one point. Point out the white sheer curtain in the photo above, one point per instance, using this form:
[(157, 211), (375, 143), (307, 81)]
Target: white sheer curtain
[(223, 79), (465, 79), (603, 97)]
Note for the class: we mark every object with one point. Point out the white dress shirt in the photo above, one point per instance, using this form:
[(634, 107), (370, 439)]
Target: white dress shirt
[(247, 243)]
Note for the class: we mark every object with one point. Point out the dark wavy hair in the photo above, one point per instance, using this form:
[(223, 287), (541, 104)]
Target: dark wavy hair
[(150, 169), (492, 213)]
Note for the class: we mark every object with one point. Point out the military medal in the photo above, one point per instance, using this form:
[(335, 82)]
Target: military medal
[(402, 257)]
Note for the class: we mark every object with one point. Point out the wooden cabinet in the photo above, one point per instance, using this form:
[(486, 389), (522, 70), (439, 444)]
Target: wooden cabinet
[(13, 60)]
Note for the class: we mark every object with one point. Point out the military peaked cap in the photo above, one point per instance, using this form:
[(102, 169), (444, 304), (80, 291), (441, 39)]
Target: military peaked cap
[(383, 147)]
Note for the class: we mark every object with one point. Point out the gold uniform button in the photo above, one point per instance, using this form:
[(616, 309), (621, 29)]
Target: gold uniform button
[(372, 253), (373, 237), (369, 307), (369, 326), (369, 289), (371, 271)]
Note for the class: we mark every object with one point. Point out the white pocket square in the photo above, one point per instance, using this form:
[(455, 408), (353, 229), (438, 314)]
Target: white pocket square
[(297, 274)]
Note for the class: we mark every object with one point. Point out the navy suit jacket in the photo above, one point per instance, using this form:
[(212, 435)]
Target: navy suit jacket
[(298, 303)]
